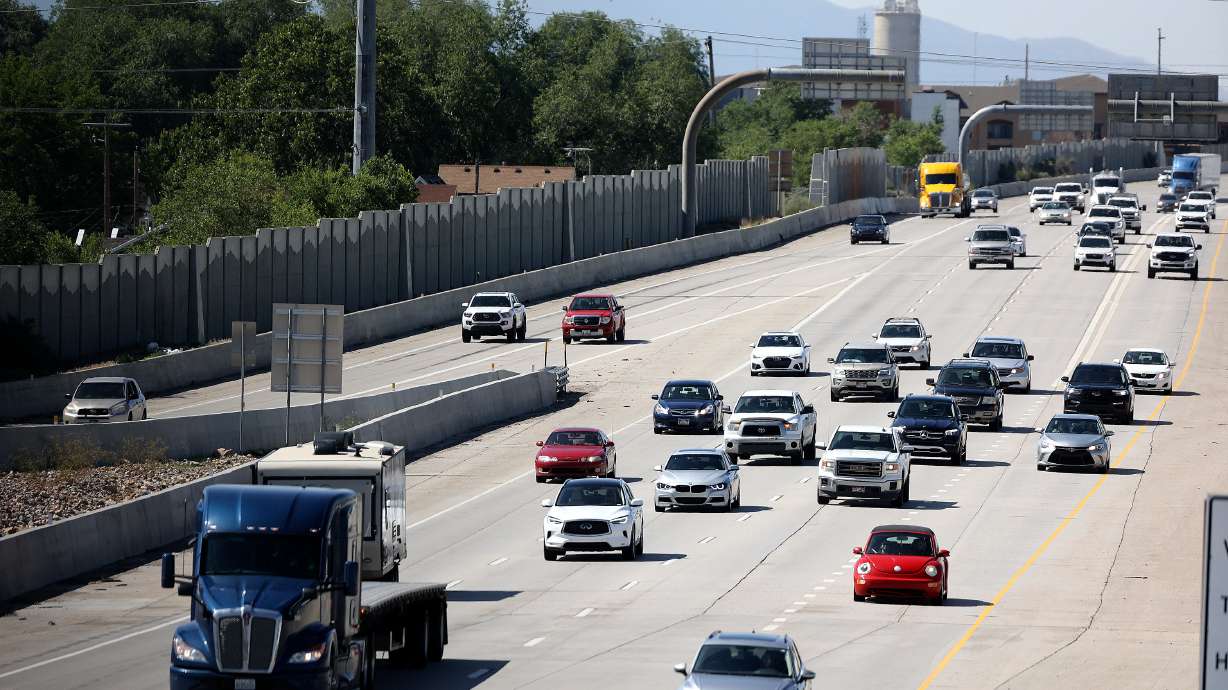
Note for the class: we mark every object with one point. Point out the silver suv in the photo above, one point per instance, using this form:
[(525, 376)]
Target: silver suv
[(990, 244), (906, 337), (746, 660), (865, 369)]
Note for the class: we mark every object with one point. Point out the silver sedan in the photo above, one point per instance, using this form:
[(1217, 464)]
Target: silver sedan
[(1054, 212), (698, 477), (1077, 441)]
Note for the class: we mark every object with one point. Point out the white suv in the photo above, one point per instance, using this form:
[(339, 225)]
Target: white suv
[(1110, 214), (907, 340), (771, 422), (1072, 193), (780, 352), (1095, 250), (494, 313), (1130, 212), (1039, 196), (1193, 214), (1205, 198), (593, 515), (865, 462), (1172, 252)]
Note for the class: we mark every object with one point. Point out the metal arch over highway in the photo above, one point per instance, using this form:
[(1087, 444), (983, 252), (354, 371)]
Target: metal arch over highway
[(690, 139)]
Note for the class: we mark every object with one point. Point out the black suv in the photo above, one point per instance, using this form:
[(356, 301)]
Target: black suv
[(1100, 388), (933, 426), (872, 228), (976, 389)]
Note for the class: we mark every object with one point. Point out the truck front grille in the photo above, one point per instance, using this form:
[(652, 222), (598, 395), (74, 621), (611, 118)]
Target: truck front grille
[(848, 468), (940, 199), (586, 320), (1171, 256), (246, 640), (861, 374), (486, 316), (760, 430)]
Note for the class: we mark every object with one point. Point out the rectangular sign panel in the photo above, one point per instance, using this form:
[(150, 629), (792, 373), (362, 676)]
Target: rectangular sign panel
[(242, 343), (307, 344), (1215, 596)]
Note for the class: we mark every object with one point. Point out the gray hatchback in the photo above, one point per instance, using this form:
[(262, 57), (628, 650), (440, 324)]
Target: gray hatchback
[(746, 661)]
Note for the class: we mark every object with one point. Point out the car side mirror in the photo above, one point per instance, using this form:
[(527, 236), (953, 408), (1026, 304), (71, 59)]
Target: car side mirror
[(564, 310), (656, 468), (891, 415), (806, 675), (820, 446), (1198, 246), (874, 336), (541, 444), (943, 553), (1143, 207), (1117, 361), (831, 360), (546, 503), (1066, 379), (928, 336), (1031, 358), (963, 418), (1109, 432), (680, 668), (464, 305), (809, 409), (168, 570), (656, 397), (609, 444), (637, 502), (930, 382), (857, 550), (906, 449), (720, 397), (68, 396), (725, 409), (518, 305), (966, 354), (351, 578), (967, 239)]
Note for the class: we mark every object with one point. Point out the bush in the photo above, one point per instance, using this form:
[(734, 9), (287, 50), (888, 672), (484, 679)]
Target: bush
[(22, 352)]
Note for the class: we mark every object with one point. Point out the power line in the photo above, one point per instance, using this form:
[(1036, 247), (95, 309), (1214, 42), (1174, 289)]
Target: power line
[(177, 111), (65, 8)]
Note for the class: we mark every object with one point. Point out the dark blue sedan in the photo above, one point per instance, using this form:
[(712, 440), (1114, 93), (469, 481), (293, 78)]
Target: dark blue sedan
[(688, 405)]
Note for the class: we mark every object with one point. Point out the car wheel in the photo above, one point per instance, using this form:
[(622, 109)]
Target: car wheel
[(639, 546), (551, 554), (630, 550), (963, 455), (892, 395), (885, 241), (852, 241), (737, 501), (511, 335), (1194, 273), (130, 416), (1151, 272), (567, 340), (524, 331), (808, 450), (541, 479), (613, 472), (1104, 469), (656, 430), (835, 397), (796, 457), (464, 336), (822, 500), (1113, 267), (1040, 467), (622, 334), (612, 337), (1010, 264), (971, 265), (901, 498), (925, 365), (859, 597), (996, 424), (658, 507)]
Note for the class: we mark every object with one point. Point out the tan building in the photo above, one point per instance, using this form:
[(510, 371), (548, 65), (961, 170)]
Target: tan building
[(1012, 130), (488, 178)]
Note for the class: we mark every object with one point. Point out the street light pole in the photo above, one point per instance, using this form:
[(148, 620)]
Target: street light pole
[(364, 84), (106, 168)]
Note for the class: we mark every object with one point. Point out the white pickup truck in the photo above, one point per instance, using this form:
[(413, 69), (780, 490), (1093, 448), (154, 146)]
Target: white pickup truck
[(1071, 193)]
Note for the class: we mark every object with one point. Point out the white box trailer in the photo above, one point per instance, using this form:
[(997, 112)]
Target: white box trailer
[(374, 470)]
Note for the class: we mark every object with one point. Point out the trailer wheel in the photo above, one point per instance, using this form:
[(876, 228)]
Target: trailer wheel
[(414, 653), (438, 633), (368, 664)]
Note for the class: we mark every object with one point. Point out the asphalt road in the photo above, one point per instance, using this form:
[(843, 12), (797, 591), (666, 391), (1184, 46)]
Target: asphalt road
[(1057, 580)]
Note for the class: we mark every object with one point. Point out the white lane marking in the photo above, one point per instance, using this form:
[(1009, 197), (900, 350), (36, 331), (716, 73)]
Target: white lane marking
[(499, 561), (478, 673), (831, 581), (535, 641), (846, 565), (780, 620), (777, 497), (942, 491), (819, 588), (471, 499), (669, 560), (705, 540), (629, 585), (808, 596), (837, 573), (453, 584), (584, 613), (906, 519), (744, 518), (800, 603), (804, 480), (912, 512), (100, 645), (770, 628)]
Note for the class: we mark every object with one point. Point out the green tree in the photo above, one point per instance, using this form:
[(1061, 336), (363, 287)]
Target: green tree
[(908, 142), (382, 184), (20, 28), (21, 233)]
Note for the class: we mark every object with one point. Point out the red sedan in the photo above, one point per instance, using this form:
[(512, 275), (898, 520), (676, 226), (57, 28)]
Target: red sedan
[(901, 560), (575, 452)]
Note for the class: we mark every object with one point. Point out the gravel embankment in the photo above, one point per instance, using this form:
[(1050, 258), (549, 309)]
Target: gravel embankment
[(31, 499)]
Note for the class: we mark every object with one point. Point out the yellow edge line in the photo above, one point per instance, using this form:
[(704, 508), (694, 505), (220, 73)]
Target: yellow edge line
[(1061, 527)]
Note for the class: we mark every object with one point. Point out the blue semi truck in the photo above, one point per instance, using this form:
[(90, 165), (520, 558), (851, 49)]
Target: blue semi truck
[(1195, 172), (278, 598)]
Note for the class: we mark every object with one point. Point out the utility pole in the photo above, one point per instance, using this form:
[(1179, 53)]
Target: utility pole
[(135, 170), (1159, 49), (364, 83), (711, 75), (1027, 58), (106, 168)]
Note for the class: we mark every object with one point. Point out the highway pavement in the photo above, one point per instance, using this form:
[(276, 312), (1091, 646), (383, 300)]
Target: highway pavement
[(1057, 579)]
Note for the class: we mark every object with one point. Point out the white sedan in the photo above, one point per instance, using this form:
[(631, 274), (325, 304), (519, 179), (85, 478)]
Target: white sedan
[(780, 352), (1149, 369), (593, 515)]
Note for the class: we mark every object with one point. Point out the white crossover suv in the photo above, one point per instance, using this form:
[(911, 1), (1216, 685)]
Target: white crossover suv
[(1193, 215), (1095, 250), (771, 422), (1039, 196), (494, 313), (593, 515), (1149, 369), (906, 338), (1109, 214), (780, 352)]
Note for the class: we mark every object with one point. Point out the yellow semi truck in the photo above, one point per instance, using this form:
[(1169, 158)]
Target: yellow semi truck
[(943, 188)]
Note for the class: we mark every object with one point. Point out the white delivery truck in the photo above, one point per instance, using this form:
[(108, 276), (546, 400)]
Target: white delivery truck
[(374, 470)]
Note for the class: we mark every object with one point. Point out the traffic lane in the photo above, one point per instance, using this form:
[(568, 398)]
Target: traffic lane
[(443, 345)]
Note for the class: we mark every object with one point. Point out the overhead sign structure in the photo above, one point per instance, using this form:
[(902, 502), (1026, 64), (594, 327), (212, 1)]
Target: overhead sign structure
[(1214, 671), (307, 343)]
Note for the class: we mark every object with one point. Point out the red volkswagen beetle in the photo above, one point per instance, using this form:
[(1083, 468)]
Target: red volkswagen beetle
[(901, 560), (575, 452)]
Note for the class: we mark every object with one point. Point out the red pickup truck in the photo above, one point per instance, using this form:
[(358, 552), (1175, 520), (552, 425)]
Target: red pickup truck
[(594, 316)]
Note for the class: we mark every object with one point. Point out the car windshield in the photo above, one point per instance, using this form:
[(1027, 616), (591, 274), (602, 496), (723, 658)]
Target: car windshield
[(869, 220), (1058, 425), (1122, 203), (590, 495), (925, 409), (968, 377), (991, 236), (779, 341), (1144, 357), (900, 544), (1043, 190), (490, 301), (941, 178), (272, 555), (1056, 206), (1175, 241), (1069, 187), (1096, 242), (1107, 182), (1091, 374), (676, 391), (1200, 196), (1183, 175), (862, 440), (1191, 207), (100, 390), (1014, 231), (1095, 228), (765, 403), (1168, 197), (590, 304), (998, 350), (895, 330), (707, 461), (1103, 212), (859, 355), (983, 192), (743, 660), (574, 438)]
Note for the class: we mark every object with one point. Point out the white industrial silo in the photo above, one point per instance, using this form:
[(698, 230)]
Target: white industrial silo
[(897, 32)]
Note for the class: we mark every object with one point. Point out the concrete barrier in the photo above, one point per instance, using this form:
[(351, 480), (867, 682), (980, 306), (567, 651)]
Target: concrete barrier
[(95, 540), (262, 428)]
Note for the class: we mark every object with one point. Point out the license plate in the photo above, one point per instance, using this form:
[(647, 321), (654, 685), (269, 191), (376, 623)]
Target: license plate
[(684, 422), (859, 384), (857, 489), (588, 333), (245, 684)]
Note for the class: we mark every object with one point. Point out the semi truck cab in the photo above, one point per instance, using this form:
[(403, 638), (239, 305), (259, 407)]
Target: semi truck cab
[(943, 188)]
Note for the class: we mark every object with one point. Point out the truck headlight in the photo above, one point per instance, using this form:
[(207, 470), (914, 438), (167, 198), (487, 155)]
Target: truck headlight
[(863, 568), (310, 655), (605, 320), (829, 465), (1121, 392), (884, 372), (790, 426), (931, 570), (891, 467), (734, 425), (183, 651), (119, 408), (989, 400)]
